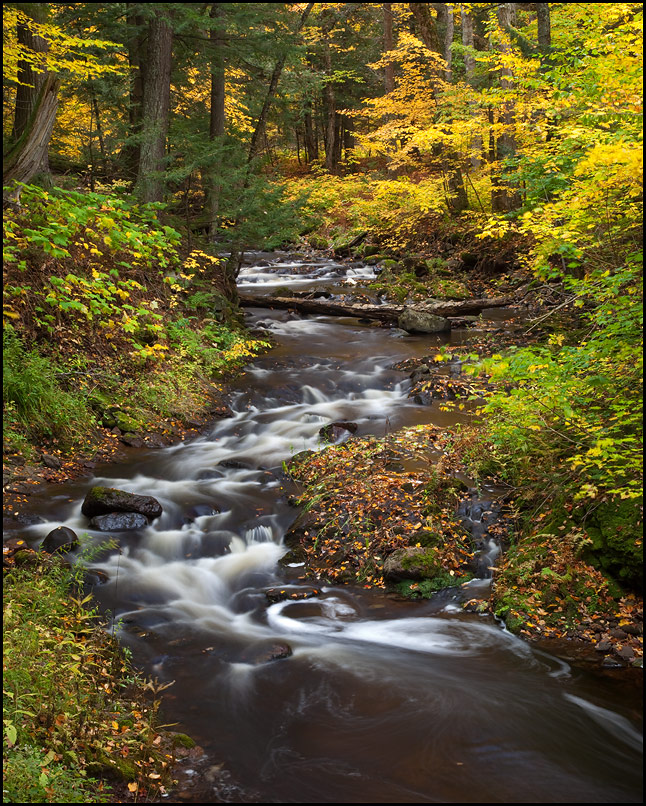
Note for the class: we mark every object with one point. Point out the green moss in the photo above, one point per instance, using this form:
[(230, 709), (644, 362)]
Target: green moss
[(615, 529), (427, 587)]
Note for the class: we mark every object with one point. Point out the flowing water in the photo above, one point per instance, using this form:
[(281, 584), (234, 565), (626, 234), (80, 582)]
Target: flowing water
[(381, 700)]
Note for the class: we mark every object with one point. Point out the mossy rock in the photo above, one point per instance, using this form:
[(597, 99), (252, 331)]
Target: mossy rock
[(390, 264), (615, 529), (125, 422), (318, 242), (370, 251)]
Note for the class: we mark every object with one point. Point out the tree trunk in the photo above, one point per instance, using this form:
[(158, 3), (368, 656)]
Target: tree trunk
[(544, 29), (467, 41), (330, 113), (475, 146), (504, 196), (259, 131), (389, 74), (217, 119), (445, 20), (131, 151), (28, 156), (426, 26), (383, 313), (29, 80), (311, 142), (456, 199), (156, 108)]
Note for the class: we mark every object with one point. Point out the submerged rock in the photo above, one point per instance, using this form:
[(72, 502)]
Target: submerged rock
[(107, 500), (119, 522), (263, 653)]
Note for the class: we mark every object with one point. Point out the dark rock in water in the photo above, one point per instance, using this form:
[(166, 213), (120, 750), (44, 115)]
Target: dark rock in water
[(105, 500), (119, 522), (423, 398), (293, 593), (199, 511), (51, 461), (263, 653), (332, 432), (60, 539), (27, 518), (208, 475), (236, 464), (154, 441)]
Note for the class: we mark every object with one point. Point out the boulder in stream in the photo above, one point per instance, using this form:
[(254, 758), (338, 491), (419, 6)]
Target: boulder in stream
[(417, 320), (332, 432), (61, 539), (107, 500)]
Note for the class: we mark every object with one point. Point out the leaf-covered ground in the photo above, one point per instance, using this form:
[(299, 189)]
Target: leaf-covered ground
[(368, 497)]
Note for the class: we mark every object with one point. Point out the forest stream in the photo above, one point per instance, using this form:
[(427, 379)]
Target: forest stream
[(381, 700)]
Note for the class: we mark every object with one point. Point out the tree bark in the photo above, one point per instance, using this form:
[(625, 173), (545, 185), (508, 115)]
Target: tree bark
[(382, 313), (445, 20), (456, 199), (156, 108), (131, 151), (217, 118), (330, 113), (29, 80), (544, 28), (475, 146), (389, 73), (311, 142), (28, 156), (426, 26), (504, 196)]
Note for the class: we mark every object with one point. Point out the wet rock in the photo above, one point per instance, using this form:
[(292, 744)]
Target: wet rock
[(27, 518), (295, 593), (332, 432), (415, 320), (52, 462), (61, 539), (106, 500), (625, 653), (208, 475), (133, 440), (611, 663), (154, 441), (263, 653), (604, 646), (633, 629), (119, 522), (200, 511), (236, 464)]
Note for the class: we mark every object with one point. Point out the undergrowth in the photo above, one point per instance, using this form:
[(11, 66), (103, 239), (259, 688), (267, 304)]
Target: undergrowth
[(75, 715)]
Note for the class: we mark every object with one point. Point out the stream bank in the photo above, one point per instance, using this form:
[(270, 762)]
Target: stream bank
[(369, 698)]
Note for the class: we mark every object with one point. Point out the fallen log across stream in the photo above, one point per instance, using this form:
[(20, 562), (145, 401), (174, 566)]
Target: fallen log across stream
[(383, 313)]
